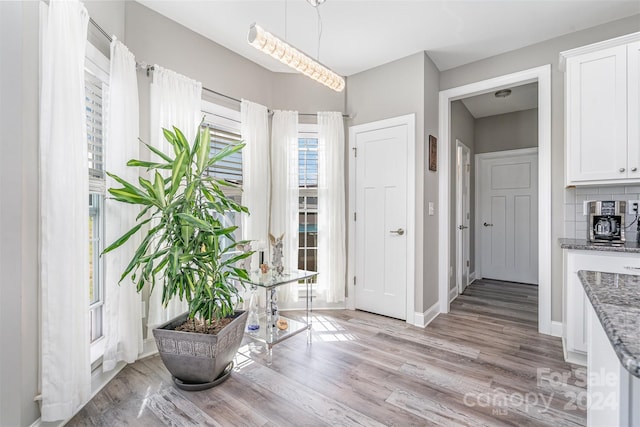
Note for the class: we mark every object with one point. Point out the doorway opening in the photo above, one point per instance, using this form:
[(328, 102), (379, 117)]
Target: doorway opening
[(541, 75)]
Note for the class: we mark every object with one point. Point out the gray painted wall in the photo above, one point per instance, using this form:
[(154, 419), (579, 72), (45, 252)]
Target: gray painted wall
[(509, 131), (430, 248), (462, 128), (530, 57), (391, 90), (408, 85)]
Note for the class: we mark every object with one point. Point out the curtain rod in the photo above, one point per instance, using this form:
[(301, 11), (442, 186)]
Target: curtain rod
[(99, 28), (149, 68)]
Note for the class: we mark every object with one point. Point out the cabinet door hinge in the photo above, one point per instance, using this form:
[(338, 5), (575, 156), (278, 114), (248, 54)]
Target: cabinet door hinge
[(354, 280), (355, 151), (354, 216)]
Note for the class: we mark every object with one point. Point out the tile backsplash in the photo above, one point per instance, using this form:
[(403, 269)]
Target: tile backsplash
[(575, 222)]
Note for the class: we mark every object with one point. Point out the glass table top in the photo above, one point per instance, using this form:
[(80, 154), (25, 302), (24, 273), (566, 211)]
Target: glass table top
[(272, 279)]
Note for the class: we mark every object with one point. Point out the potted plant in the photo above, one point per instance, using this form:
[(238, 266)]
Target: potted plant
[(186, 248)]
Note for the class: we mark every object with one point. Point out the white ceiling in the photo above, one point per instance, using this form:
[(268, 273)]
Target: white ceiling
[(358, 35), (523, 97)]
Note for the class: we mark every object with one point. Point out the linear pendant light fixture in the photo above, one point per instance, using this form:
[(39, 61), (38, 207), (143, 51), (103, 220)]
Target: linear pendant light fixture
[(289, 55)]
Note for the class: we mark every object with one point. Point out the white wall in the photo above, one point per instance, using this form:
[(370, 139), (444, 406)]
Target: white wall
[(19, 320), (530, 57)]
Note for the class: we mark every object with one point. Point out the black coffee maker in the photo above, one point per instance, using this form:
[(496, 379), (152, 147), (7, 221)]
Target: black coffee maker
[(606, 221)]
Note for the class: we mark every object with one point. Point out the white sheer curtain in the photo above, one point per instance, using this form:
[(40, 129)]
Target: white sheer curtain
[(122, 322), (64, 213), (175, 101), (255, 176), (284, 189), (331, 206)]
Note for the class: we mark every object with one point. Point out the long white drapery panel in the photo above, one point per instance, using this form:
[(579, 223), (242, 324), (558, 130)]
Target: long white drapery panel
[(284, 190), (122, 322), (255, 176), (331, 206), (175, 101), (64, 232)]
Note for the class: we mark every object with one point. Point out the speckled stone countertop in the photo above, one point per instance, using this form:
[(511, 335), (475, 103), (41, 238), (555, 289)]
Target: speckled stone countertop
[(583, 244), (616, 300)]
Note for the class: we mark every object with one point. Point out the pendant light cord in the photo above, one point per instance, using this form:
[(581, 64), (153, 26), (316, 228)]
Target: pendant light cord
[(319, 31)]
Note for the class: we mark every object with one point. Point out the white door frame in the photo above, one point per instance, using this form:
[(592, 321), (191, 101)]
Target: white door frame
[(410, 121), (459, 249), (478, 202), (542, 75)]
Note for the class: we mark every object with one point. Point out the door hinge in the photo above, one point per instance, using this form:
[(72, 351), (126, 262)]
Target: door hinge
[(354, 216), (467, 263), (354, 280), (355, 151)]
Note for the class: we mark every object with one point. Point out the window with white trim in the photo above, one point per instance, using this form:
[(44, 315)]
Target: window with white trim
[(96, 88), (308, 199), (224, 127)]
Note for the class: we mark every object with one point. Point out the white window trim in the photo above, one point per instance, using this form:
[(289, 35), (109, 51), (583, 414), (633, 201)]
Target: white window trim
[(98, 64)]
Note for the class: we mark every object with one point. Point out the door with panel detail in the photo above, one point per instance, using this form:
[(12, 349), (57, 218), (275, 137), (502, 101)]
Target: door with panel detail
[(508, 219), (381, 224)]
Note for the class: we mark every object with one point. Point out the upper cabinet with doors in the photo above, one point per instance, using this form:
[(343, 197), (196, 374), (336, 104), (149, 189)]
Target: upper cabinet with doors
[(602, 115)]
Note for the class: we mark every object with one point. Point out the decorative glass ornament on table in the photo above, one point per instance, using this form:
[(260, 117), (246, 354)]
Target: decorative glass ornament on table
[(253, 323)]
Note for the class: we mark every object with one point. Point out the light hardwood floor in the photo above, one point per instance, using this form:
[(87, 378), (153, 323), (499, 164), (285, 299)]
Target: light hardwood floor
[(481, 364)]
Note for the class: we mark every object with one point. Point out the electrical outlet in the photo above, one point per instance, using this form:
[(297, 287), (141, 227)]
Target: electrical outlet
[(633, 206)]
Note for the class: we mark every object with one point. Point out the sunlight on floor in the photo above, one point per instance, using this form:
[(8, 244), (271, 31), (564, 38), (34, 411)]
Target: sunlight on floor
[(144, 402), (327, 330)]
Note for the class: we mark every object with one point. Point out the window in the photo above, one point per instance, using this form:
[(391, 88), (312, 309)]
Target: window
[(224, 127), (308, 197), (96, 86)]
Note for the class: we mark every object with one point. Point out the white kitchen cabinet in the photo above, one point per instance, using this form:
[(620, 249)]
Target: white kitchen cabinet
[(601, 113), (576, 304)]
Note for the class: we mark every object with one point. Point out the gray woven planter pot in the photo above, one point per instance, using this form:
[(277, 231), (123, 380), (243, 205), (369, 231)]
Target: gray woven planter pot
[(198, 358)]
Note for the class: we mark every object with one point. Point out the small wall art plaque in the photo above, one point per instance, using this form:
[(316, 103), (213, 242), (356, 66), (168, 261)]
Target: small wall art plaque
[(433, 153)]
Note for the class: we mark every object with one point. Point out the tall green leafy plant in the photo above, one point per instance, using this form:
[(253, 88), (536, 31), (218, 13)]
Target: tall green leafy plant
[(185, 245)]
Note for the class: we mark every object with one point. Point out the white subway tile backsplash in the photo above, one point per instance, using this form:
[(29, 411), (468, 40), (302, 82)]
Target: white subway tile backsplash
[(570, 229), (585, 190), (575, 222), (611, 190)]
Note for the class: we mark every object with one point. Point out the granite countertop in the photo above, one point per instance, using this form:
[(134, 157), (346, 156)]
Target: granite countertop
[(616, 301), (585, 245)]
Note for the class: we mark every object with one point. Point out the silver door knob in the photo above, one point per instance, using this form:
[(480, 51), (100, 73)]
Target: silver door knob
[(462, 227), (487, 225), (622, 169), (634, 169), (399, 232)]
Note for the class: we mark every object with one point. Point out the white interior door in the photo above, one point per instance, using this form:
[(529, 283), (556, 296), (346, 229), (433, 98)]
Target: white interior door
[(381, 221), (463, 215), (508, 220)]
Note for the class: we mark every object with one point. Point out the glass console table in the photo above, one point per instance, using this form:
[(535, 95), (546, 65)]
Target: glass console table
[(268, 331)]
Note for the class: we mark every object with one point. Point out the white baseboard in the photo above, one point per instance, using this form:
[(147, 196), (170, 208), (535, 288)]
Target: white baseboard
[(472, 277), (423, 319), (453, 293), (556, 328)]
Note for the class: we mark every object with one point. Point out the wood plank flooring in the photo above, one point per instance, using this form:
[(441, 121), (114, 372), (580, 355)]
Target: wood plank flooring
[(483, 364)]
